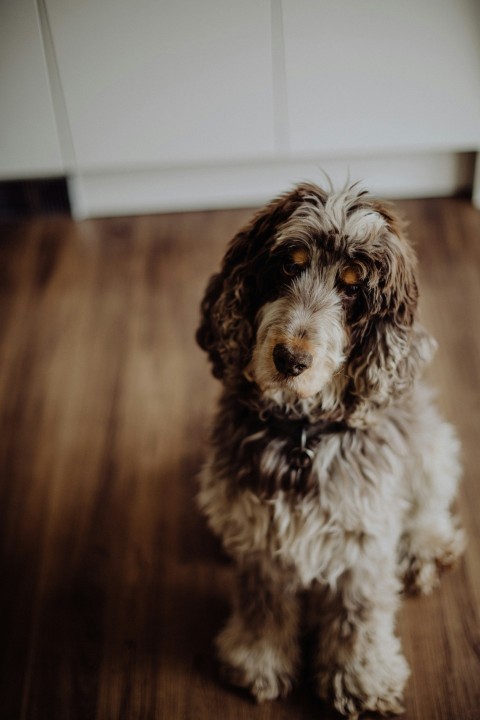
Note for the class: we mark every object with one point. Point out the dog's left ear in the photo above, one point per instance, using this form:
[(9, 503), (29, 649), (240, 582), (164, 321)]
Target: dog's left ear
[(230, 303), (392, 348)]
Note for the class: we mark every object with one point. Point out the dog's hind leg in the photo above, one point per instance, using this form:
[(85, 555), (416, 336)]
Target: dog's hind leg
[(432, 538), (258, 647)]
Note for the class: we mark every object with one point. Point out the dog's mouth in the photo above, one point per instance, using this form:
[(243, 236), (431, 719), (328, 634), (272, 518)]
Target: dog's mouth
[(294, 368), (294, 365)]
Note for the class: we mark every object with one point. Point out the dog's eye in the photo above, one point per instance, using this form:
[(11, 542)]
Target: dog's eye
[(291, 269), (350, 279)]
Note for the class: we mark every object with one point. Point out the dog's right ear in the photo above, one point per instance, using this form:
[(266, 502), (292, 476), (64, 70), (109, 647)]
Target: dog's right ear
[(209, 334), (230, 304)]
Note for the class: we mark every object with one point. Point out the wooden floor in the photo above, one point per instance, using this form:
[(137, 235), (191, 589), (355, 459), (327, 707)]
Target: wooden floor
[(112, 588)]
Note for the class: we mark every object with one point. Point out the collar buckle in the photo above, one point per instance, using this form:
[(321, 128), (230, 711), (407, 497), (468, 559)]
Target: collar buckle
[(302, 457)]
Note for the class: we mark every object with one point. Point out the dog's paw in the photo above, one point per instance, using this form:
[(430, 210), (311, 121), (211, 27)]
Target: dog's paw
[(264, 686), (257, 664), (352, 705), (422, 565), (364, 688), (352, 702)]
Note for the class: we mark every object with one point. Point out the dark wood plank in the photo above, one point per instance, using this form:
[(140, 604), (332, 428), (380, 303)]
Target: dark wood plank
[(112, 588)]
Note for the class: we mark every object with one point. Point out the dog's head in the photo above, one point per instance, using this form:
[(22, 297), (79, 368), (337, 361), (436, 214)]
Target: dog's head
[(317, 299)]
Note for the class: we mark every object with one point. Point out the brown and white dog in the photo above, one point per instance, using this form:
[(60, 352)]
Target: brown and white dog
[(330, 469)]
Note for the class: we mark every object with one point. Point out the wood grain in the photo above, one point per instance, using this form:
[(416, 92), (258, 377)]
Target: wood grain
[(112, 587)]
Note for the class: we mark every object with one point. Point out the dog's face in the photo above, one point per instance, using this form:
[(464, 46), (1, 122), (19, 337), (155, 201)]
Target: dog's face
[(318, 291), (315, 288)]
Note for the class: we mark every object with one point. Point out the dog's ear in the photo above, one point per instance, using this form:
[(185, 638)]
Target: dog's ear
[(230, 303), (391, 348)]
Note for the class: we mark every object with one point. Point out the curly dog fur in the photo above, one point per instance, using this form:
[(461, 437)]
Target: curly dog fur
[(330, 469)]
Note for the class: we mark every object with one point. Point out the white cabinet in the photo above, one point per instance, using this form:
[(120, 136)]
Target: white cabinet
[(29, 143), (382, 75), (166, 82), (174, 104)]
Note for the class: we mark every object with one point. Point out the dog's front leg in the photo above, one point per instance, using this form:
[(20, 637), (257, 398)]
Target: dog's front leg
[(360, 665), (259, 645)]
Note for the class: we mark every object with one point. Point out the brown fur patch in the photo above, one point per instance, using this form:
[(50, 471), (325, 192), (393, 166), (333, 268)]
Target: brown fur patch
[(300, 256), (350, 275)]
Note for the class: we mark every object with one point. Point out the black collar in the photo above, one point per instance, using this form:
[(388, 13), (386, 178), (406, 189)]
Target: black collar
[(293, 428)]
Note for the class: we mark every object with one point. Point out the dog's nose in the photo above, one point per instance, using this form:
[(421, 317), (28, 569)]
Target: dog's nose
[(291, 362)]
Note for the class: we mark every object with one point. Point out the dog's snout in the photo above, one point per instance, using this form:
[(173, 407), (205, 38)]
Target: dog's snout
[(289, 361)]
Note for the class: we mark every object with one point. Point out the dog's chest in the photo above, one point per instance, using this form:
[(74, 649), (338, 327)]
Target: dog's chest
[(319, 540), (320, 533)]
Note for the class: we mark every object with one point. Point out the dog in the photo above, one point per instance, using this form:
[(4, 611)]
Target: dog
[(330, 474)]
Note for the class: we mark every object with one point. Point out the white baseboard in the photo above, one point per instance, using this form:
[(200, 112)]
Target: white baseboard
[(243, 185)]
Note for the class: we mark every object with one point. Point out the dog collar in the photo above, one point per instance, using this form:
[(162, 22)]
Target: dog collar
[(302, 434)]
